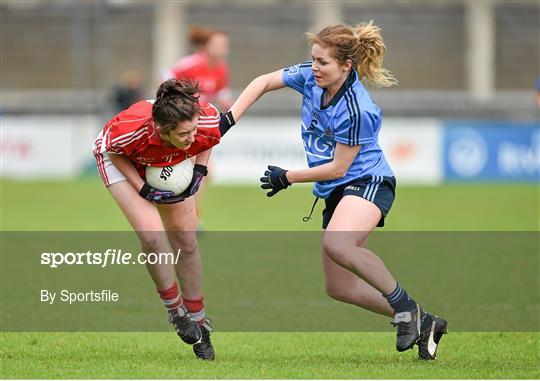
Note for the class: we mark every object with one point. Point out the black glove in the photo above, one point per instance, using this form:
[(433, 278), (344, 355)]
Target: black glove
[(159, 196), (226, 121), (275, 178), (199, 171)]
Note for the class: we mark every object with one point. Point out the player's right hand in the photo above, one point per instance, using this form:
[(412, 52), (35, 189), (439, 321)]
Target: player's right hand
[(159, 196), (275, 178), (199, 171)]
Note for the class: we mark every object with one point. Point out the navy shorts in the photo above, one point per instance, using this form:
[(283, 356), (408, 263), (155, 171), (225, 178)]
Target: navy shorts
[(380, 190)]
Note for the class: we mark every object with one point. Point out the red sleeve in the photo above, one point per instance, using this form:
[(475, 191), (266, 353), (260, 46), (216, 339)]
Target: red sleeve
[(208, 116), (128, 130), (208, 134)]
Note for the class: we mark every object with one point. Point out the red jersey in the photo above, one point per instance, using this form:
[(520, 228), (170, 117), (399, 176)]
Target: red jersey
[(132, 133), (213, 80)]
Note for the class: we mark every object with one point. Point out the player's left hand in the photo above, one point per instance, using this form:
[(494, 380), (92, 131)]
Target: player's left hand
[(226, 121), (199, 171), (275, 178), (170, 199), (158, 196)]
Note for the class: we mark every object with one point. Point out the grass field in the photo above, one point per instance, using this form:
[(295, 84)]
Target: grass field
[(85, 205), (265, 355)]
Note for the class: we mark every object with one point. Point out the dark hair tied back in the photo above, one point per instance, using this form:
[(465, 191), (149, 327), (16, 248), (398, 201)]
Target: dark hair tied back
[(176, 101)]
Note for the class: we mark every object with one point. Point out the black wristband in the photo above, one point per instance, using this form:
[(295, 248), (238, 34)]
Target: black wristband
[(284, 180), (145, 190), (226, 121), (203, 169)]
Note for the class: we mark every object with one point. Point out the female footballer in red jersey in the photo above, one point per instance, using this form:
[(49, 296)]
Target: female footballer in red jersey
[(208, 65), (173, 128)]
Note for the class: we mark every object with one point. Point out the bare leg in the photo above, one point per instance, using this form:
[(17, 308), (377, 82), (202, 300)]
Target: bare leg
[(199, 196), (347, 287), (181, 223), (351, 224), (146, 222)]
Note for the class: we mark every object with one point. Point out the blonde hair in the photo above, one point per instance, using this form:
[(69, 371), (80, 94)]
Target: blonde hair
[(363, 45)]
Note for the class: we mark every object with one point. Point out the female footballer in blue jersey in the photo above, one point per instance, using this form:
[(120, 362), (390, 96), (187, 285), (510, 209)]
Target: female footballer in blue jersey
[(340, 127)]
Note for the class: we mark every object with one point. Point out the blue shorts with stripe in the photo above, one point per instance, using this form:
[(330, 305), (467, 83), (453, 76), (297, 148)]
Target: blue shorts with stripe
[(380, 190)]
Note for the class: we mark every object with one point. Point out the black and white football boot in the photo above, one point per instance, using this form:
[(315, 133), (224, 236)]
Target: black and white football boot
[(185, 327), (408, 328), (432, 329), (204, 349)]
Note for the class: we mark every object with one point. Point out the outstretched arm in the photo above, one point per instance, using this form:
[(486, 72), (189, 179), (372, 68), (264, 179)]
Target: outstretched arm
[(257, 87)]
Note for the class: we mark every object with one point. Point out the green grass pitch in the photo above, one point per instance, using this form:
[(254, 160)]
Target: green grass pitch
[(265, 355), (85, 205)]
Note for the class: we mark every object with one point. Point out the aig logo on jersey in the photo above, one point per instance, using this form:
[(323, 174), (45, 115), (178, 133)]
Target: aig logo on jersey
[(294, 69), (318, 146), (308, 105)]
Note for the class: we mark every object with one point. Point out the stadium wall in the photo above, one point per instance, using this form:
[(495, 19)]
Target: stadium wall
[(481, 151), (421, 151)]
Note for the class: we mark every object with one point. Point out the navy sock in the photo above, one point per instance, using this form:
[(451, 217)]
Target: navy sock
[(400, 301)]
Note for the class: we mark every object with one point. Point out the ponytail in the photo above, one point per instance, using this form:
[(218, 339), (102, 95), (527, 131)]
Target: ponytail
[(176, 101), (363, 45), (371, 50)]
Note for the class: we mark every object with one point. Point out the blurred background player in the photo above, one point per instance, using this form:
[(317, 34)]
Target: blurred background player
[(208, 66), (340, 127), (173, 128), (128, 90)]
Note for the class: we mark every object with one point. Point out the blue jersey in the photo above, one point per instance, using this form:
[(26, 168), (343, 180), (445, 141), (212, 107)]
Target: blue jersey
[(349, 118)]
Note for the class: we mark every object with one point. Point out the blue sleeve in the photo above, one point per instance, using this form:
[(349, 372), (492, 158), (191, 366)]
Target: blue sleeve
[(296, 76), (353, 129)]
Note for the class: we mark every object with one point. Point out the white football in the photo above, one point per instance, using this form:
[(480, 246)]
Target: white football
[(175, 178)]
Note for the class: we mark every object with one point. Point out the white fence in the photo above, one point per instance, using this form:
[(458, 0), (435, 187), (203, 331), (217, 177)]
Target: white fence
[(59, 147)]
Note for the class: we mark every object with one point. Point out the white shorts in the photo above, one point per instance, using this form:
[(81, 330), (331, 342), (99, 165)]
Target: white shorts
[(108, 172)]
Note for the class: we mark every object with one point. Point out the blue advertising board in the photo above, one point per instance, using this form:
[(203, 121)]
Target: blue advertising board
[(508, 152)]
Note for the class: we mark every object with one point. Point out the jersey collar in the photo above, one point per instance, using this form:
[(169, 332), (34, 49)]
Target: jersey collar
[(153, 136), (348, 83)]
